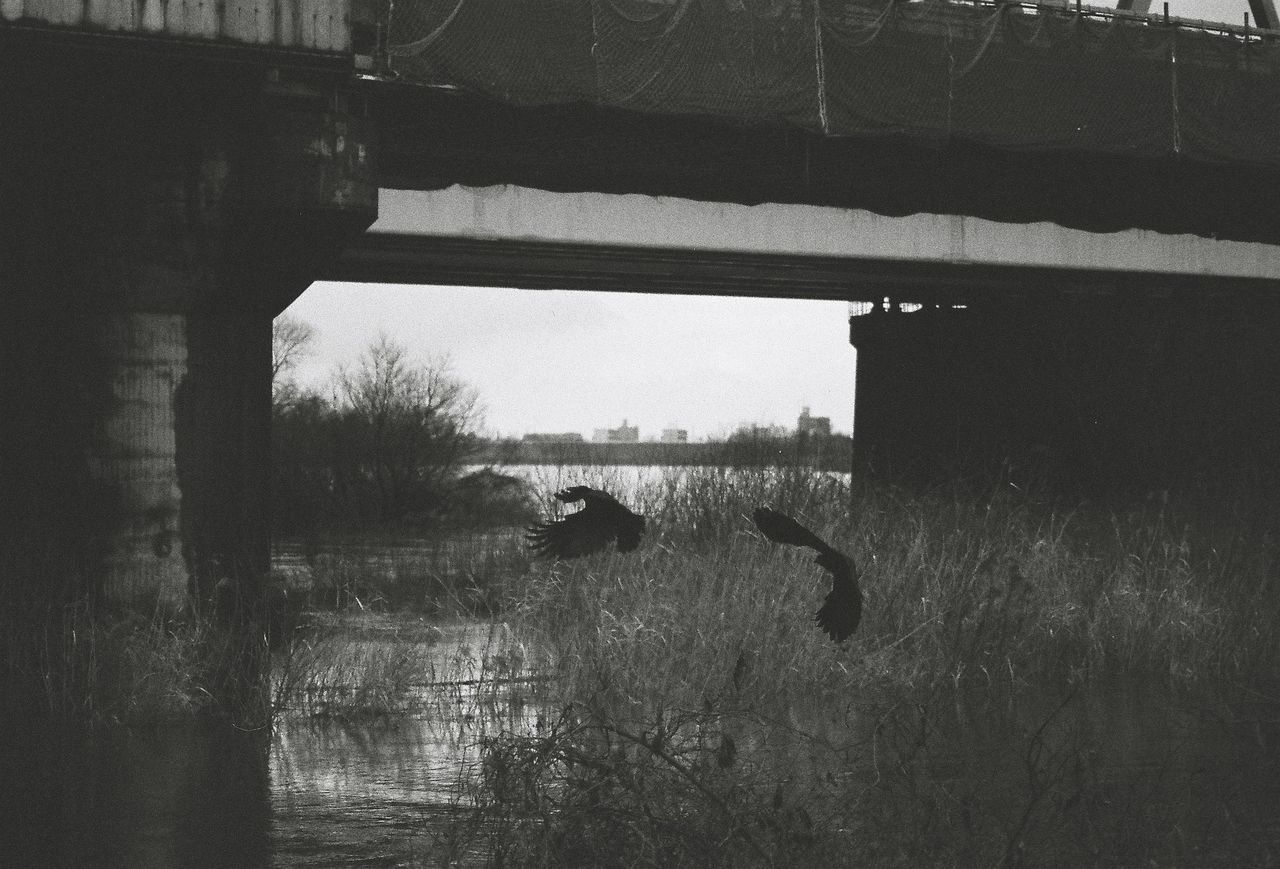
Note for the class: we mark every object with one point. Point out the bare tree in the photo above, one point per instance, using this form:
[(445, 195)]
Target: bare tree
[(409, 427), (290, 341)]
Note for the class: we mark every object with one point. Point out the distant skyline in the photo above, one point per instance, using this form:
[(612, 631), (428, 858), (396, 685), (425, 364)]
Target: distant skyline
[(574, 361)]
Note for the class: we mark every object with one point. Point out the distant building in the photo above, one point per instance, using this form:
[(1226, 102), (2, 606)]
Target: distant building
[(813, 425), (623, 434), (755, 431), (566, 437), (675, 436)]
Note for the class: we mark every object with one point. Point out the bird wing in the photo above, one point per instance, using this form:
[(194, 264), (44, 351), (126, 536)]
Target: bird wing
[(570, 537), (573, 494), (842, 609), (783, 529), (601, 520)]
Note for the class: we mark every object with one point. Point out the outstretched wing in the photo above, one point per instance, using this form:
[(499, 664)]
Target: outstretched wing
[(783, 529), (601, 520), (842, 610), (570, 537)]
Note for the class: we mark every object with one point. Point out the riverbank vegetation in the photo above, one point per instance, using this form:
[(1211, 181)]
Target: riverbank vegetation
[(393, 451), (385, 452), (997, 589), (89, 665), (704, 720), (959, 588), (686, 711)]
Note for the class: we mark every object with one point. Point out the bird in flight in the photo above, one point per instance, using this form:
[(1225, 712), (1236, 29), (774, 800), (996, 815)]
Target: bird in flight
[(601, 520), (842, 610)]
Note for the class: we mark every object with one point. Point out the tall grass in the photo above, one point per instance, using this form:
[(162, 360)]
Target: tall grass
[(993, 589), (69, 654), (459, 574), (359, 665), (91, 668), (670, 660)]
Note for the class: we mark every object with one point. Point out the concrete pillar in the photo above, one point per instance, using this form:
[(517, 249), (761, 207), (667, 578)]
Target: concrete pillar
[(150, 229), (1099, 395), (938, 394), (133, 456)]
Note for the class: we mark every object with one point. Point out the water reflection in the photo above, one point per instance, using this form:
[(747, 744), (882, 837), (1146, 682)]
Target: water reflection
[(378, 793), (630, 482)]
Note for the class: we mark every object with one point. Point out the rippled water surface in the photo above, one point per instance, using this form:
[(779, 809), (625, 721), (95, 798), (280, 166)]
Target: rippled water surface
[(361, 793)]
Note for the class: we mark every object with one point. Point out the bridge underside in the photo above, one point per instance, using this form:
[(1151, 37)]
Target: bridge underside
[(1011, 114), (522, 237), (1128, 358), (433, 140), (1090, 362)]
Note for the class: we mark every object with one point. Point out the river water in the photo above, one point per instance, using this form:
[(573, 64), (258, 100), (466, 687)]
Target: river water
[(313, 790), (623, 481)]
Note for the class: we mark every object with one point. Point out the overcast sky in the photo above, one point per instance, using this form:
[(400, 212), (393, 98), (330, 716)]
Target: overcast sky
[(546, 361), (552, 361), (1230, 11)]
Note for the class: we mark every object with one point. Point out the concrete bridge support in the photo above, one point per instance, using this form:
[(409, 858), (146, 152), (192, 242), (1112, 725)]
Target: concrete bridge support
[(155, 214), (1102, 394)]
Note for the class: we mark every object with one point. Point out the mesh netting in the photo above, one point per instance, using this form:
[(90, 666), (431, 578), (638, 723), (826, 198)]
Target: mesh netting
[(998, 76)]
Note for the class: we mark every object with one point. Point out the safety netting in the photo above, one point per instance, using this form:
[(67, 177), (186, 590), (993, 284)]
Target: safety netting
[(1014, 77)]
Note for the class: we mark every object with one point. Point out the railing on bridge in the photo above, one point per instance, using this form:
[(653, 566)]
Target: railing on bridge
[(1049, 76), (1264, 14)]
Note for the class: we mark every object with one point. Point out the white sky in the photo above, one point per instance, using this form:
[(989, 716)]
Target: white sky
[(1230, 11), (551, 361), (576, 361)]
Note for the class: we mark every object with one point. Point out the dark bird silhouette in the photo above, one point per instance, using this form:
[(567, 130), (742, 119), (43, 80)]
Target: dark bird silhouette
[(601, 520), (842, 610)]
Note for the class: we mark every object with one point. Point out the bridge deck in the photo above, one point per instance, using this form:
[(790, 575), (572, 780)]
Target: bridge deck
[(1003, 113), (520, 237)]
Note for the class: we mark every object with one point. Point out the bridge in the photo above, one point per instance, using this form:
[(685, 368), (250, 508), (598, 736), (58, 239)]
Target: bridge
[(1057, 223)]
